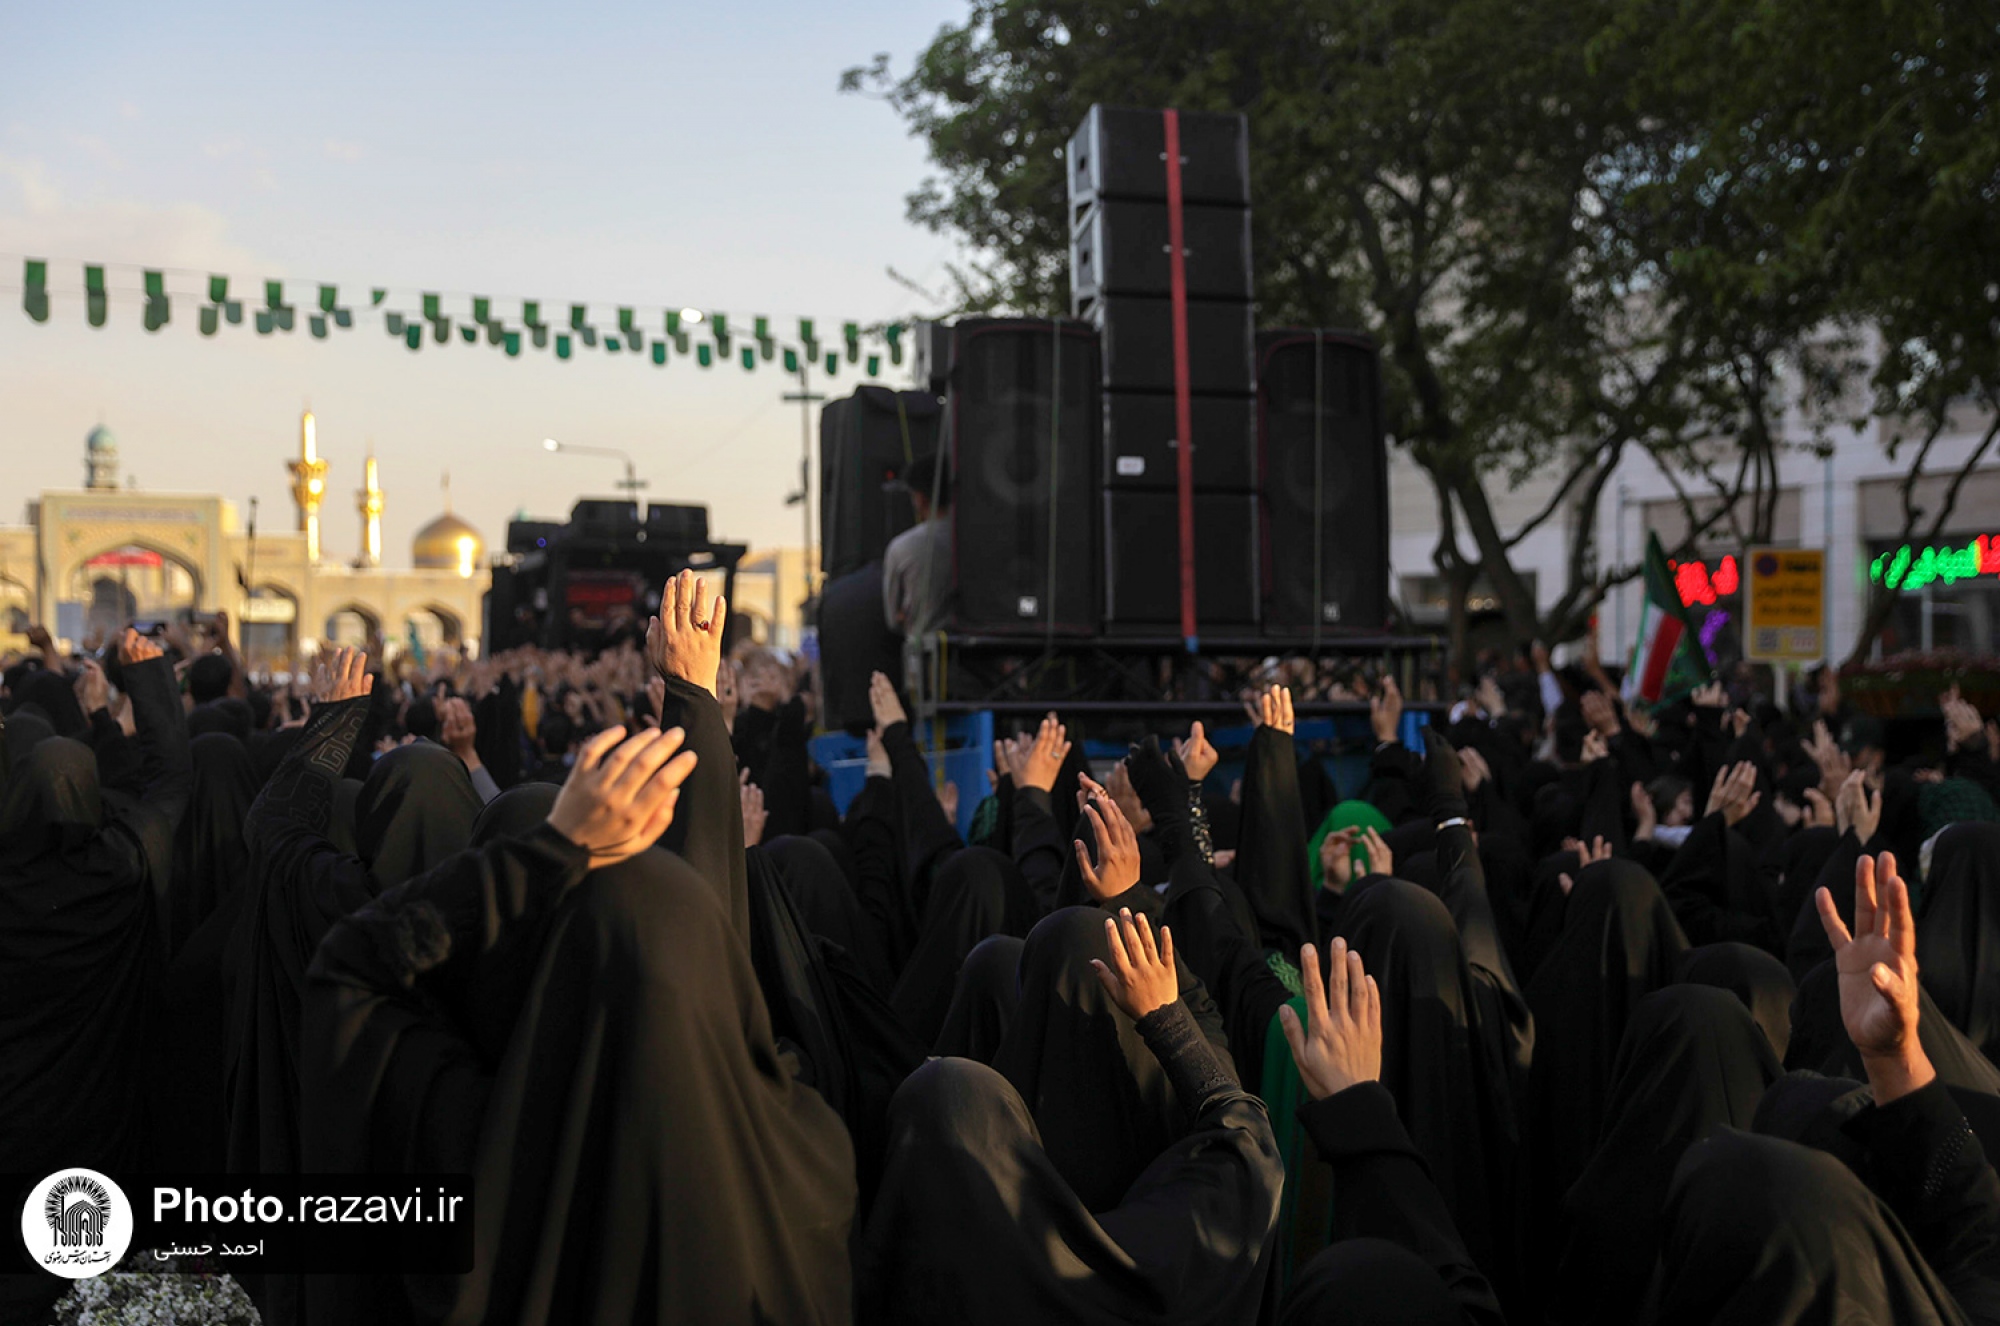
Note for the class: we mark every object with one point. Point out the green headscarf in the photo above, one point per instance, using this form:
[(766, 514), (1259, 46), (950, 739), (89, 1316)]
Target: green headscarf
[(1346, 815)]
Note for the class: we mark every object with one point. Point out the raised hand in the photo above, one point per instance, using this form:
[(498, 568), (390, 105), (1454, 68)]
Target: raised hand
[(1274, 709), (1711, 696), (1734, 793), (1819, 811), (93, 691), (1336, 858), (1491, 702), (878, 757), (1856, 807), (1117, 867), (751, 797), (1197, 756), (620, 794), (342, 677), (947, 795), (1341, 1045), (1963, 727), (1594, 748), (1039, 760), (1473, 768), (685, 640), (1140, 977), (884, 703), (1380, 862), (1385, 710), (1599, 713), (1586, 855), (1003, 762), (1834, 764), (1877, 966), (1127, 796), (136, 648), (1642, 810), (459, 731)]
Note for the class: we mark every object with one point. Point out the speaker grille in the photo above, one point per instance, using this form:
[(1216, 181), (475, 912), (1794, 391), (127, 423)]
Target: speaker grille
[(1349, 471), (1024, 447)]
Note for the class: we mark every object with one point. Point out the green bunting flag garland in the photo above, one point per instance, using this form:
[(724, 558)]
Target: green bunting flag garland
[(720, 338)]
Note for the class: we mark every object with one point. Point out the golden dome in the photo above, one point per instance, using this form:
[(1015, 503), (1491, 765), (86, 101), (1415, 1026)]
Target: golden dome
[(447, 544)]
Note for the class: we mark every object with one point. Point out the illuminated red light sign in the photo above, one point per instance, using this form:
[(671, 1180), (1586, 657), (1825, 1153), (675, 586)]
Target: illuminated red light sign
[(1700, 587)]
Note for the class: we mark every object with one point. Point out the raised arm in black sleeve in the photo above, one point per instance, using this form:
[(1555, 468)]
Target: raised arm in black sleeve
[(1383, 1189), (707, 831)]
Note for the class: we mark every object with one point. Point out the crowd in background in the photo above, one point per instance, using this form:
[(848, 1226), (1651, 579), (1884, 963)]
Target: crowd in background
[(1575, 1011)]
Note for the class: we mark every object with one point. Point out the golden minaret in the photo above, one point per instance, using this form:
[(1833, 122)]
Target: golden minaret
[(370, 505), (308, 484)]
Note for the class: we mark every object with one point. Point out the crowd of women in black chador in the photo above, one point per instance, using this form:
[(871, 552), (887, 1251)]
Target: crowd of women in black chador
[(1596, 1017)]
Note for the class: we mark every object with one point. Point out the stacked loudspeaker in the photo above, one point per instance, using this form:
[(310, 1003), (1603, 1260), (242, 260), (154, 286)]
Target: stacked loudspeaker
[(1125, 205), (1063, 439), (1022, 424)]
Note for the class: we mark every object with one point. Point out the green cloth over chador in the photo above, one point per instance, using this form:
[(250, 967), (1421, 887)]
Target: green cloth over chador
[(1346, 815)]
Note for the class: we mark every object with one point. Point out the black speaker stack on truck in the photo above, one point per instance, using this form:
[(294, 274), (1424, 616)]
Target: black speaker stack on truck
[(1160, 265), (1149, 473)]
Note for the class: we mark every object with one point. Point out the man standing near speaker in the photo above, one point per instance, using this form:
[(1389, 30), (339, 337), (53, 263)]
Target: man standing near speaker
[(916, 568)]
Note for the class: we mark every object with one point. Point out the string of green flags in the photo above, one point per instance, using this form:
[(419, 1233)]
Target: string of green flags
[(510, 325)]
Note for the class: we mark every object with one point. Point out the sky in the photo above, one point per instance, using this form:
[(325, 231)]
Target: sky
[(660, 154)]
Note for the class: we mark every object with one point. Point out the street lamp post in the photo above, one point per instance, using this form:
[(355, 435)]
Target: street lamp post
[(805, 398), (631, 483)]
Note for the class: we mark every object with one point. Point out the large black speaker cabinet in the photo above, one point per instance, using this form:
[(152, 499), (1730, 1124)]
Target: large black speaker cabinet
[(865, 440), (1023, 419), (1139, 344), (1142, 562), (676, 524), (604, 520), (526, 536), (854, 642), (1326, 482), (1119, 247), (1140, 448), (1121, 153)]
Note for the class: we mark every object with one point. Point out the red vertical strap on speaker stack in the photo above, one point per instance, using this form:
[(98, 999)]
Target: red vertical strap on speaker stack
[(1183, 406)]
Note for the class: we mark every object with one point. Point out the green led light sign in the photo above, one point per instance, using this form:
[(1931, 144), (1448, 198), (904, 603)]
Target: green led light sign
[(1909, 570)]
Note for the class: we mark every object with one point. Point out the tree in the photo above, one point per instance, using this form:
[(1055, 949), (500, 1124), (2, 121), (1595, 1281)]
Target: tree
[(1452, 176), (1857, 148)]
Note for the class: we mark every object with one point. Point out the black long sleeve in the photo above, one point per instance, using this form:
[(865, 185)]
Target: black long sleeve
[(1199, 1076), (1462, 886), (165, 769), (294, 812), (927, 834), (1038, 846), (707, 831), (872, 835), (1926, 1163), (1383, 1189), (386, 1037), (1271, 849)]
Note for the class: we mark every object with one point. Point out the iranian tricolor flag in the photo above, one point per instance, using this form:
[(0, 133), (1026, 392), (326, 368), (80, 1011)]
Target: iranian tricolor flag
[(1664, 629)]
